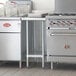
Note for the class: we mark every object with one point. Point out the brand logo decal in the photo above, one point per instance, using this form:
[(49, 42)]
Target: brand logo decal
[(6, 24)]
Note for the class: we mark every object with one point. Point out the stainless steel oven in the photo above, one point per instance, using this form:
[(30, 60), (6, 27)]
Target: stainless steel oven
[(61, 39), (10, 39)]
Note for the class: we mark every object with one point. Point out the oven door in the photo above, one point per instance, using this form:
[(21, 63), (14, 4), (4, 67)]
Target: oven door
[(61, 44)]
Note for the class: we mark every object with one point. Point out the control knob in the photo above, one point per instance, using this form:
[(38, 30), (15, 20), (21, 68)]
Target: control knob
[(48, 28)]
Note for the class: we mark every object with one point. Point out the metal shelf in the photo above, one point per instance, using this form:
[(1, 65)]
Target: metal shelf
[(35, 56)]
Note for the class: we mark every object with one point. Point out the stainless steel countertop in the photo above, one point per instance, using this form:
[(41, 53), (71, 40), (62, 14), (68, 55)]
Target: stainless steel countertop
[(10, 18), (28, 18), (21, 18)]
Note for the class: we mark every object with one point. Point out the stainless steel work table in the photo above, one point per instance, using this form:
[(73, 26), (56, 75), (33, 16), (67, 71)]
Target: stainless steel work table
[(27, 48)]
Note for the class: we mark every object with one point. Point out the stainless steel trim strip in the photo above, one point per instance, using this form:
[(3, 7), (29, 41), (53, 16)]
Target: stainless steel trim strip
[(59, 28), (10, 32), (63, 55), (60, 34)]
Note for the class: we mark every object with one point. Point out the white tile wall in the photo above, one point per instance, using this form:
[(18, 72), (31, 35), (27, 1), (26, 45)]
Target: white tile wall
[(48, 5)]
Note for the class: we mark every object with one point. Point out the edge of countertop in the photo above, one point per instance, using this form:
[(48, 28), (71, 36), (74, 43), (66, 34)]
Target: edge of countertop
[(21, 18)]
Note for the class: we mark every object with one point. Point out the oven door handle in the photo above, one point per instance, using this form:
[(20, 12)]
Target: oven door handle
[(62, 34)]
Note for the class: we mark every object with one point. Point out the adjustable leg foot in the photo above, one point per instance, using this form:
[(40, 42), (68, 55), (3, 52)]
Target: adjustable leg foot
[(42, 63), (51, 65), (20, 64), (27, 63)]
